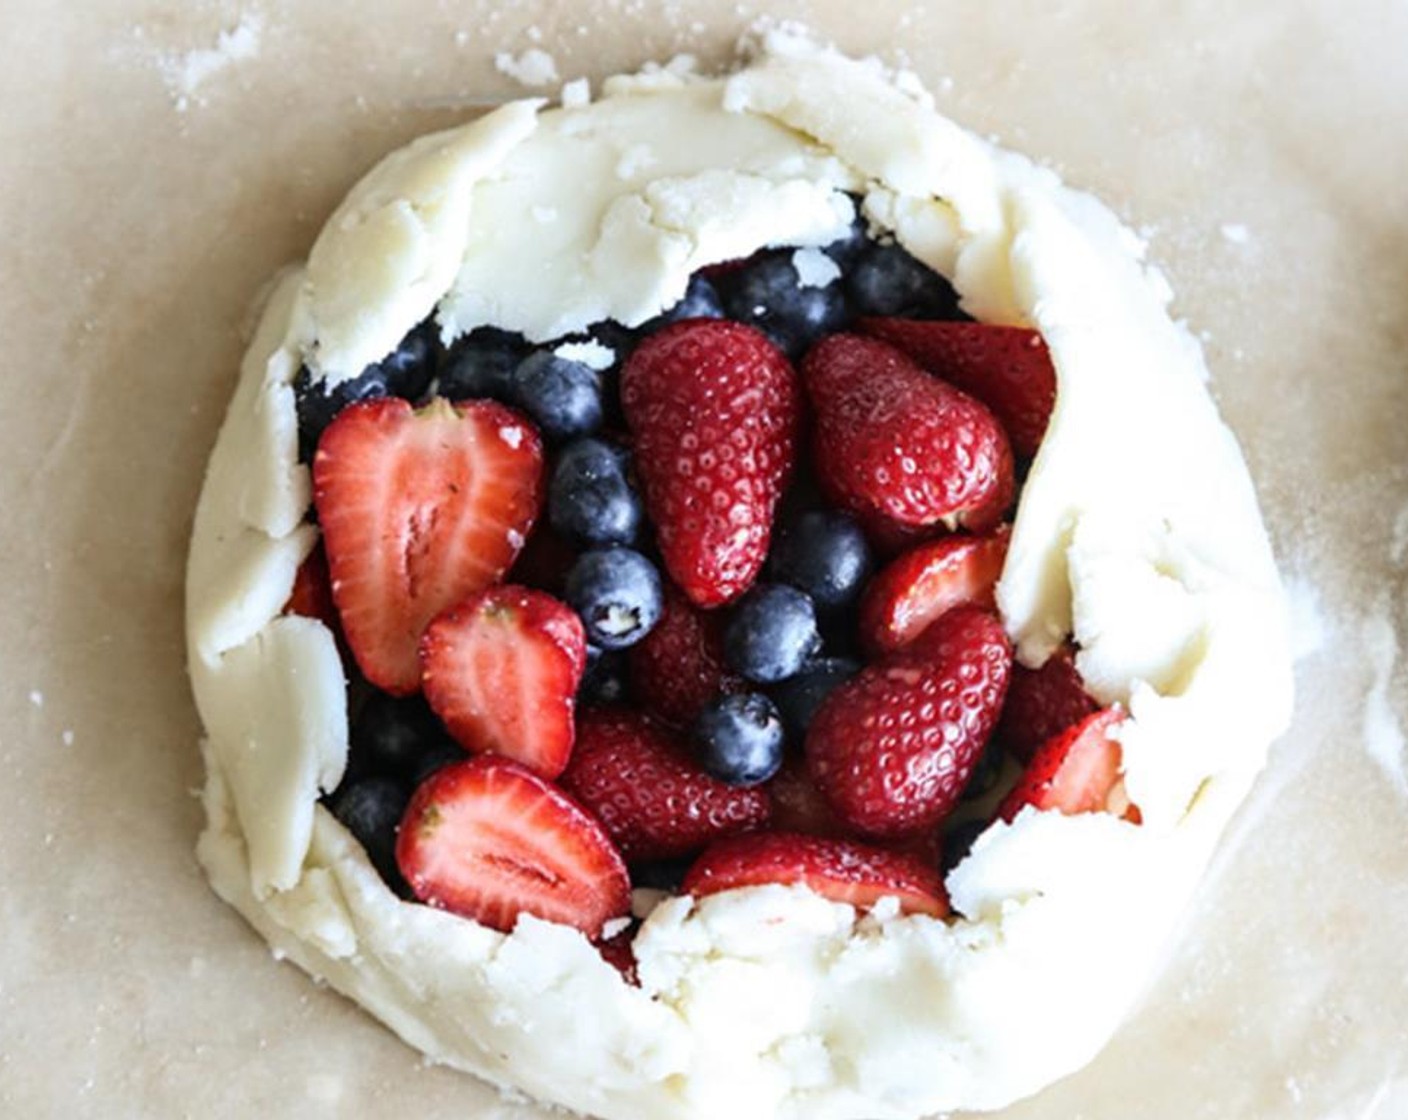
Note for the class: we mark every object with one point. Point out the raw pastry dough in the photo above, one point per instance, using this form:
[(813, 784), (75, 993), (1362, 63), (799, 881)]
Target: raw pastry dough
[(1138, 532)]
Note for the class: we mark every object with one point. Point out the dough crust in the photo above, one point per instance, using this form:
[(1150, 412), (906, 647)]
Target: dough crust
[(1138, 532)]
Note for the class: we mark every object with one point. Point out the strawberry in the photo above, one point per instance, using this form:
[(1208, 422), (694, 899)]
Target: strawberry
[(1042, 703), (679, 666), (501, 671), (1007, 368), (892, 441), (715, 410), (489, 840), (419, 509), (654, 800), (841, 870), (913, 590), (889, 537), (311, 596), (797, 805), (619, 953), (1077, 771), (892, 748)]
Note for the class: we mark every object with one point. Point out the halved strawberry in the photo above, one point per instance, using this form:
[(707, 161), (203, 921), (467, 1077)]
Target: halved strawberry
[(1078, 771), (841, 870), (311, 596), (892, 441), (490, 840), (679, 666), (1007, 368), (892, 748), (915, 589), (419, 509), (1042, 703), (653, 798), (501, 671), (715, 410)]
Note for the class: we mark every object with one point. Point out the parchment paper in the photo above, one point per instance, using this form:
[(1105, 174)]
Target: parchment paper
[(154, 175)]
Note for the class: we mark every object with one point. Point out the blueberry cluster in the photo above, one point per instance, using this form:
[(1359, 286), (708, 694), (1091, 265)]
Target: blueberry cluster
[(395, 744)]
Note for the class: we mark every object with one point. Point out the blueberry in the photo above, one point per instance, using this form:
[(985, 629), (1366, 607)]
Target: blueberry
[(441, 754), (620, 341), (986, 771), (561, 395), (825, 554), (590, 499), (605, 680), (700, 301), (739, 738), (390, 735), (406, 372), (371, 809), (846, 250), (799, 697), (617, 592), (772, 633), (886, 280), (768, 293), (481, 365)]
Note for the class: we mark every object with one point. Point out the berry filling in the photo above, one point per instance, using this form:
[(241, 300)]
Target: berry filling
[(702, 605)]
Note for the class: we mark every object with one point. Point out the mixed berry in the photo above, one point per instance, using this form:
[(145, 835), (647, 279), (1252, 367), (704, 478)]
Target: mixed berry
[(702, 605)]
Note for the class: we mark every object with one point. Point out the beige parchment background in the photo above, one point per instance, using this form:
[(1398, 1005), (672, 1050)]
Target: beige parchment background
[(151, 180)]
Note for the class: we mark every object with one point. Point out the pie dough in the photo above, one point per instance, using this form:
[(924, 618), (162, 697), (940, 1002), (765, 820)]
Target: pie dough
[(1138, 533)]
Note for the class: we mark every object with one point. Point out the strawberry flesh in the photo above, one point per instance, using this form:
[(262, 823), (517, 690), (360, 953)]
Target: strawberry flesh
[(892, 749), (714, 408), (1007, 368), (917, 588), (490, 840), (893, 442), (501, 671), (1077, 771), (419, 509), (653, 799), (841, 870)]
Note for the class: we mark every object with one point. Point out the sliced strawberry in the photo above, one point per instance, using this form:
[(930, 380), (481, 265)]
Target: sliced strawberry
[(1078, 771), (501, 671), (490, 840), (715, 409), (654, 800), (1007, 368), (311, 596), (892, 748), (679, 666), (1042, 703), (920, 586), (841, 870), (892, 441), (419, 509)]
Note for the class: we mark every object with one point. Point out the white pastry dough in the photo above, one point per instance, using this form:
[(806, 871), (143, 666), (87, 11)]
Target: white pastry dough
[(1138, 532)]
